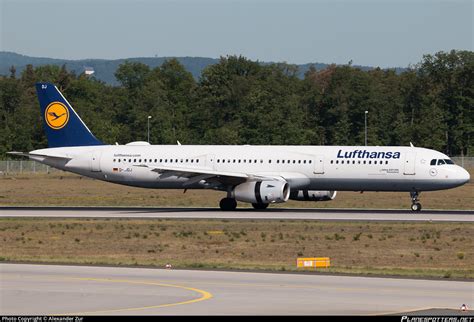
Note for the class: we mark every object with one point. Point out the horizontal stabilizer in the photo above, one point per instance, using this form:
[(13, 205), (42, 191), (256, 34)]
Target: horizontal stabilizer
[(29, 155)]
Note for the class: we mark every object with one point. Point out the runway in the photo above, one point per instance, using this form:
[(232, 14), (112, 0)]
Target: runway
[(245, 213), (85, 290)]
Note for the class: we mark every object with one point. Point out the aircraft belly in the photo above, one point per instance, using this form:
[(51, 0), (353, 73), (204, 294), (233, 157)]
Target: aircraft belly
[(350, 184)]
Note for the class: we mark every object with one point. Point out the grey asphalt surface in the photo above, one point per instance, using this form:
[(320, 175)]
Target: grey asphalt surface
[(82, 290), (215, 213)]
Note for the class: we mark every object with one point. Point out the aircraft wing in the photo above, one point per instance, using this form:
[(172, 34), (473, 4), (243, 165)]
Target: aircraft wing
[(195, 175)]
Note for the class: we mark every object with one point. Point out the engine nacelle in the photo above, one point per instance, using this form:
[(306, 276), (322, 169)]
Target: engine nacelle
[(312, 195), (262, 192)]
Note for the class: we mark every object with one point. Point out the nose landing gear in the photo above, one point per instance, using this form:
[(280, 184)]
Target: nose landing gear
[(415, 205)]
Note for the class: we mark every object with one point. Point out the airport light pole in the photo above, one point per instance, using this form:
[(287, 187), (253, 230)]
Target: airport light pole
[(149, 117), (365, 123)]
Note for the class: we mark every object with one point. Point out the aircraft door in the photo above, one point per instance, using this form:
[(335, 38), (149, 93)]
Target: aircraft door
[(95, 161), (319, 164), (409, 165)]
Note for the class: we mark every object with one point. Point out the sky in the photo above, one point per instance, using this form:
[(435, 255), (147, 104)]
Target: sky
[(384, 33)]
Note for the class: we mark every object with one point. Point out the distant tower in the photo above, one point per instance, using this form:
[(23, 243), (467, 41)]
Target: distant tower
[(89, 71)]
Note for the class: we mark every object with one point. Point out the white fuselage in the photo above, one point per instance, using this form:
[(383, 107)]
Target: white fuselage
[(349, 168)]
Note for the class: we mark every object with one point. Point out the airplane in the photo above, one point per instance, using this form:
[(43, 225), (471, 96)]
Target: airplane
[(259, 174)]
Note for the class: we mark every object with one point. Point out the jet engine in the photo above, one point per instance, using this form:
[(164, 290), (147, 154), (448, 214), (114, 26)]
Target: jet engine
[(312, 195), (262, 192)]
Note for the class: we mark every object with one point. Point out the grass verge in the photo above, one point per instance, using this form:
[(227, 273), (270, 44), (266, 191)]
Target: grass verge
[(442, 250)]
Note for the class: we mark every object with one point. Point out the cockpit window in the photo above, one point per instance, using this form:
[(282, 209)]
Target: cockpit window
[(441, 161)]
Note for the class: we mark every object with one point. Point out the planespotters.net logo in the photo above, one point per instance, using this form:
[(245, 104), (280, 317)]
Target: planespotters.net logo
[(437, 318)]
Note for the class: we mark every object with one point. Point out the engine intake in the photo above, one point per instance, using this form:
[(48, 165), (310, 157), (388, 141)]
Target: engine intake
[(312, 195), (262, 192)]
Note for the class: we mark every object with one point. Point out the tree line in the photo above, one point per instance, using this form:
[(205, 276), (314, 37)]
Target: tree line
[(239, 101)]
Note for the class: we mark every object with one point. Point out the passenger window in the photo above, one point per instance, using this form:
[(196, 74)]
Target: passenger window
[(433, 162), (332, 161), (441, 162)]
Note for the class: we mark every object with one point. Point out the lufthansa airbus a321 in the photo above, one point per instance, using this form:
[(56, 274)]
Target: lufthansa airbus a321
[(259, 175)]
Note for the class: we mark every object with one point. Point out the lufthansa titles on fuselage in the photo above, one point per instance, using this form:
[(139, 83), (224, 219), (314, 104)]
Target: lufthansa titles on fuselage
[(364, 154)]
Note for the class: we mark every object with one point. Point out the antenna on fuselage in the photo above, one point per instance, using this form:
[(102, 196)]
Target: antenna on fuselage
[(411, 145)]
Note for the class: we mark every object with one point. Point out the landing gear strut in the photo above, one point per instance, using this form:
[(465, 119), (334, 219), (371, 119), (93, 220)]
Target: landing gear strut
[(228, 204), (415, 205)]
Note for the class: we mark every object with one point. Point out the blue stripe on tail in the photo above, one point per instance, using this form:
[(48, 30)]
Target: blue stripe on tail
[(62, 124)]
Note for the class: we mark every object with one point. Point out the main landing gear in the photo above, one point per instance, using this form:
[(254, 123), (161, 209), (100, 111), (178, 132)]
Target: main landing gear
[(260, 206), (415, 205), (228, 204)]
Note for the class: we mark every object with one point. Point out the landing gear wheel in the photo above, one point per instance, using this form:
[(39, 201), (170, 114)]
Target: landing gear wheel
[(260, 206), (416, 206), (228, 204)]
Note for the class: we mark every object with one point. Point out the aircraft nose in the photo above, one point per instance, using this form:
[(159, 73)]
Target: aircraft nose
[(463, 175)]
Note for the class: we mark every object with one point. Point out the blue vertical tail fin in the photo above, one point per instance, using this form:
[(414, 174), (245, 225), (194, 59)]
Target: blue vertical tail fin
[(61, 123)]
